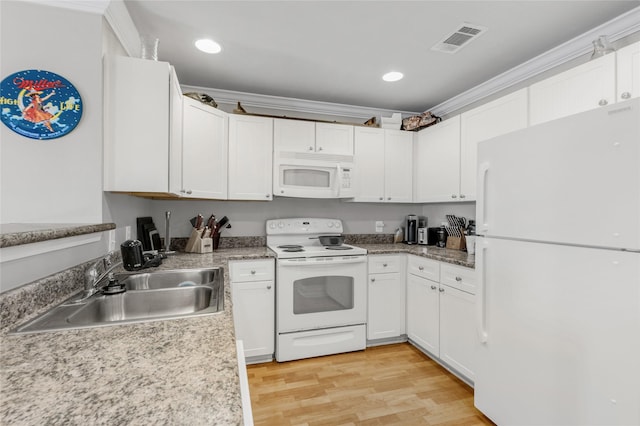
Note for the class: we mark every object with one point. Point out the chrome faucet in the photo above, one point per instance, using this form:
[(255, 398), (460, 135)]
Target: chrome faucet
[(91, 277)]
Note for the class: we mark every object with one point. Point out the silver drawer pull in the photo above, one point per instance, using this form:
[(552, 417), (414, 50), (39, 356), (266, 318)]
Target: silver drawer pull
[(603, 102), (433, 287), (253, 272), (384, 265), (268, 287), (441, 290), (373, 280), (625, 95), (421, 268), (458, 279)]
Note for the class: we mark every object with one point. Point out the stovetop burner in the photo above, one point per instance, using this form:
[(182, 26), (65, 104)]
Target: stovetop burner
[(338, 248), (293, 250), (290, 246)]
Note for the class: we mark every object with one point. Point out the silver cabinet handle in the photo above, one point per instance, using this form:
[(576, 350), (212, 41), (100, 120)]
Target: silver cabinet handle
[(319, 148), (625, 95), (462, 196), (268, 287), (454, 196), (441, 290), (182, 191), (421, 268), (389, 198), (189, 191), (310, 148), (384, 265), (373, 280), (458, 279), (268, 195), (433, 287), (253, 272), (381, 198), (603, 102)]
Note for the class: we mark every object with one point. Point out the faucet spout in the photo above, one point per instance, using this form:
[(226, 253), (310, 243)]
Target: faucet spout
[(92, 278)]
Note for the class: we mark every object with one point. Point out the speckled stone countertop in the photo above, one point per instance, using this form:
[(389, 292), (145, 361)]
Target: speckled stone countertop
[(455, 257), (178, 372), (14, 234)]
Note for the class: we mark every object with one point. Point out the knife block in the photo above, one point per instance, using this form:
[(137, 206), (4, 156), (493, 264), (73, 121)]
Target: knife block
[(197, 244), (456, 243)]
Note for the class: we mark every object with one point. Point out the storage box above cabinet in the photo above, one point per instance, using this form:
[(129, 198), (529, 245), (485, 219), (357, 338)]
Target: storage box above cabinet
[(139, 136), (308, 136)]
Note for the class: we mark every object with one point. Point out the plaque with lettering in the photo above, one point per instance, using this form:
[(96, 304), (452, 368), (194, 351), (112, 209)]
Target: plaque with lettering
[(39, 104)]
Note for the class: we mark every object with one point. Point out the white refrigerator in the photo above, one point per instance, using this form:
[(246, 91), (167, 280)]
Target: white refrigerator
[(558, 264)]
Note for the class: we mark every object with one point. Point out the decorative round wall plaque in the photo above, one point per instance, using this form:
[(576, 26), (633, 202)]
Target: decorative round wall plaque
[(39, 104)]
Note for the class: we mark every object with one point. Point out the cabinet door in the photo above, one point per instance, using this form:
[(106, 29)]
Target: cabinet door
[(175, 142), (369, 164), (495, 118), (204, 151), (437, 162), (254, 316), (136, 140), (628, 69), (423, 313), (250, 158), (579, 89), (385, 317), (458, 336), (334, 138), (294, 135), (398, 171)]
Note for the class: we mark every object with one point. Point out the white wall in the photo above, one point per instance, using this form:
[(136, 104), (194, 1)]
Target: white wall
[(57, 180)]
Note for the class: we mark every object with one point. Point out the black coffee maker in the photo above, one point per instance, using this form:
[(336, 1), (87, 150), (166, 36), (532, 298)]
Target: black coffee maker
[(411, 229)]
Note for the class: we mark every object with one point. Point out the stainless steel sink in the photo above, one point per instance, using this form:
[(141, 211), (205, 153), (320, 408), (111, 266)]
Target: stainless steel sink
[(150, 296)]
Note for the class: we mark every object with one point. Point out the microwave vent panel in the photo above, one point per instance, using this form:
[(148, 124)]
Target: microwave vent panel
[(461, 37)]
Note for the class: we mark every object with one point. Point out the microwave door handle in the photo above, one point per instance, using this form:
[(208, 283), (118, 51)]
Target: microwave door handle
[(338, 180)]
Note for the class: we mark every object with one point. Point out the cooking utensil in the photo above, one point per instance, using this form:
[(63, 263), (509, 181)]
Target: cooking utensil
[(331, 240), (223, 222)]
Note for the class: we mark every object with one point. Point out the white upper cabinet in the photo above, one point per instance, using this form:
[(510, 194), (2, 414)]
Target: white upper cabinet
[(307, 136), (204, 151), (175, 143), (495, 118), (437, 163), (579, 89), (628, 70), (250, 158), (334, 138), (138, 141), (383, 171)]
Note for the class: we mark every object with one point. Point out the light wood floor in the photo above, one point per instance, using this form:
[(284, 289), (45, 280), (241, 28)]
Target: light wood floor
[(385, 385)]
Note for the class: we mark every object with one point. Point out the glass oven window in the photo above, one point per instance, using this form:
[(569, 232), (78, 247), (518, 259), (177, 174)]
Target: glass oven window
[(307, 178), (322, 294)]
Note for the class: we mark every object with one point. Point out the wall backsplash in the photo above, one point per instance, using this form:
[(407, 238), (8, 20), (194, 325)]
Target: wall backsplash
[(248, 217)]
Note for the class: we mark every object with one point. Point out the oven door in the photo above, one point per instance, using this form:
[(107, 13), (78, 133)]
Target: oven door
[(321, 292)]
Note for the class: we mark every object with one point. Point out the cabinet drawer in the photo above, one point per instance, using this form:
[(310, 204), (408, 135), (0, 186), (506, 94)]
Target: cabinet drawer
[(458, 277), (425, 268), (251, 270), (384, 264)]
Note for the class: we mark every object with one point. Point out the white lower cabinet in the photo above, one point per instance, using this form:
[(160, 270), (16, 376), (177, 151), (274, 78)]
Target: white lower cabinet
[(386, 298), (440, 314), (253, 299)]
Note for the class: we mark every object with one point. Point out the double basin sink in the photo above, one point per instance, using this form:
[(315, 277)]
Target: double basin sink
[(150, 296)]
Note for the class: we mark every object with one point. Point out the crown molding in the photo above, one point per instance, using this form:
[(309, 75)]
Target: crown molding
[(295, 105), (616, 29)]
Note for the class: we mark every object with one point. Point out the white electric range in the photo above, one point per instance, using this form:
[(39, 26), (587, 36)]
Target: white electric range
[(321, 297)]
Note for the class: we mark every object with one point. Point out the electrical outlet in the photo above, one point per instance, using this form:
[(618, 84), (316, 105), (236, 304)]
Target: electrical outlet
[(112, 240), (379, 226)]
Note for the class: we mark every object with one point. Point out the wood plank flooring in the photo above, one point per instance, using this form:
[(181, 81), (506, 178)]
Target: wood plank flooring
[(385, 385)]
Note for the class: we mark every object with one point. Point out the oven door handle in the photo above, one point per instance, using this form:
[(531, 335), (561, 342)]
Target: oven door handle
[(322, 261)]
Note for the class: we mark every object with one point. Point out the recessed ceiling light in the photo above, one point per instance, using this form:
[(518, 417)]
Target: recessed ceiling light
[(208, 46), (393, 76)]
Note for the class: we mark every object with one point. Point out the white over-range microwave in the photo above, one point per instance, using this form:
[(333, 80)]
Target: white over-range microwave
[(312, 175)]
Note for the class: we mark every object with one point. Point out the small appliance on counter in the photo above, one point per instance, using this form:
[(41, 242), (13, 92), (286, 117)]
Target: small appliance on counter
[(437, 236), (422, 236), (412, 225), (133, 257)]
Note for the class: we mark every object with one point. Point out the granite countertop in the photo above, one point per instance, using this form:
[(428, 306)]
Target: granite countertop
[(166, 372), (170, 372), (14, 234)]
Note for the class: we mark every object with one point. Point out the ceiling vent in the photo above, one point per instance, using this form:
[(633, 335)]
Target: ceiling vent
[(459, 38)]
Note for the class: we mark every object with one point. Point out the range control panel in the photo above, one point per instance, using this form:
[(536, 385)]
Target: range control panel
[(304, 226)]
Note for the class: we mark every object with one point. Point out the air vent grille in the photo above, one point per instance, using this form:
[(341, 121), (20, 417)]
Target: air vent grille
[(461, 37)]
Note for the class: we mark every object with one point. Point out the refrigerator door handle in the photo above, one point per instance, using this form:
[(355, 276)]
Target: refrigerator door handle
[(481, 302), (481, 218)]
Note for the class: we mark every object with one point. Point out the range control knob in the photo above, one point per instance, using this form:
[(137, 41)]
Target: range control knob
[(280, 225), (330, 224)]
